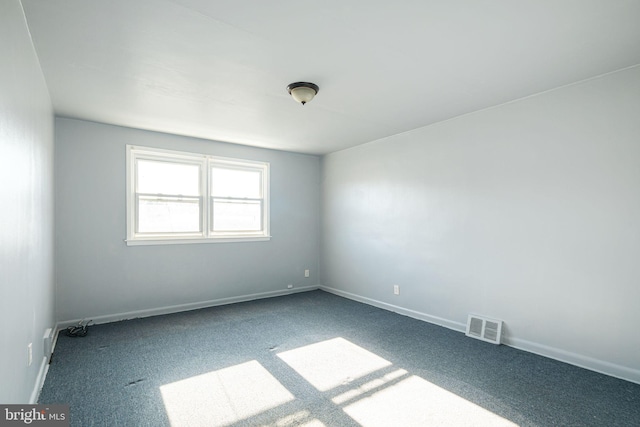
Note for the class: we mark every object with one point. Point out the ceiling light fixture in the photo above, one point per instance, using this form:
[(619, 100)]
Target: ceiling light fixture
[(303, 92)]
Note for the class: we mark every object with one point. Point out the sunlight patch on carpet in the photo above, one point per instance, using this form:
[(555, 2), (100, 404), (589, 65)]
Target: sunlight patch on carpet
[(298, 419), (223, 397), (331, 363), (415, 401), (368, 387)]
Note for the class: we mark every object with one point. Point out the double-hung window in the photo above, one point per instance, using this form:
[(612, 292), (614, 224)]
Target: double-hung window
[(177, 197)]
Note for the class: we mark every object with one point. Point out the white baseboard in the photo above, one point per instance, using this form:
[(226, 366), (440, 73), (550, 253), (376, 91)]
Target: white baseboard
[(42, 374), (56, 334), (183, 307), (450, 324), (44, 369), (607, 368), (603, 367)]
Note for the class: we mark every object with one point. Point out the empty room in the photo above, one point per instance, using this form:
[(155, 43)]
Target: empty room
[(291, 213)]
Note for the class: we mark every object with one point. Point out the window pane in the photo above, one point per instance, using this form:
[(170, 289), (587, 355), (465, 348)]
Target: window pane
[(168, 178), (168, 216), (237, 216), (236, 183)]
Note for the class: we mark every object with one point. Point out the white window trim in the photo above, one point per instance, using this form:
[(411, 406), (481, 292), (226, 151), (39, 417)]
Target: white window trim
[(206, 235)]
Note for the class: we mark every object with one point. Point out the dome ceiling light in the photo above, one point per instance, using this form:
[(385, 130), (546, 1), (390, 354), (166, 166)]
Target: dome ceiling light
[(303, 92)]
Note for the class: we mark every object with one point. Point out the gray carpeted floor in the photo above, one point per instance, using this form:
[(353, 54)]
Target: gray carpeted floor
[(318, 359)]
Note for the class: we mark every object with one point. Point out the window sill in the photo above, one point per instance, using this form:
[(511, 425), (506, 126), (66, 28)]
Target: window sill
[(161, 241)]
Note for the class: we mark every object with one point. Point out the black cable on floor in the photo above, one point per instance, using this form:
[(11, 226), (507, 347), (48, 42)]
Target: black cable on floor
[(79, 330)]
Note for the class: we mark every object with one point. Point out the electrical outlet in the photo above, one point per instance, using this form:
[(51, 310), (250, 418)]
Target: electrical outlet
[(289, 286), (396, 290), (306, 273), (30, 354)]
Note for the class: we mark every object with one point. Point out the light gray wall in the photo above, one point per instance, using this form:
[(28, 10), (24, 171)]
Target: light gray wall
[(26, 212), (101, 278), (527, 212)]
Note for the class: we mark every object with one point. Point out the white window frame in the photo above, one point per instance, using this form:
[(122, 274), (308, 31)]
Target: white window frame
[(206, 233)]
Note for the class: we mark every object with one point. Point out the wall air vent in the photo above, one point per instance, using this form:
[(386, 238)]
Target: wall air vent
[(484, 329)]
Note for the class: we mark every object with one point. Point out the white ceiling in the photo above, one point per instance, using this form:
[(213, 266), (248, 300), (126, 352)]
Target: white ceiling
[(219, 69)]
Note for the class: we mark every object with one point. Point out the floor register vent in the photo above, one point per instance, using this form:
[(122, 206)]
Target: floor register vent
[(484, 329)]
